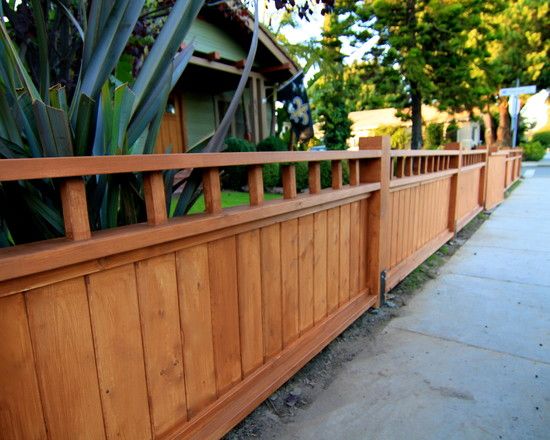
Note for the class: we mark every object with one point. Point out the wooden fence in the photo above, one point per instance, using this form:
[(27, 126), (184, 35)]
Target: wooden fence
[(179, 328)]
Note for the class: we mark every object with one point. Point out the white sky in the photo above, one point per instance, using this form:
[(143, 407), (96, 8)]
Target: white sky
[(311, 29)]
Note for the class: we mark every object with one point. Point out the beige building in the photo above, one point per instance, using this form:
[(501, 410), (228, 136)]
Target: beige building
[(366, 122)]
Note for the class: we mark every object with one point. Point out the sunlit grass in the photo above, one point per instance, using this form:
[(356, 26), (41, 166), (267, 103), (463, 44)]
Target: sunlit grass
[(229, 199)]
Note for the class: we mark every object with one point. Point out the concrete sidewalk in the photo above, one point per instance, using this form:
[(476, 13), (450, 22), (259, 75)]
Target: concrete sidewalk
[(470, 359)]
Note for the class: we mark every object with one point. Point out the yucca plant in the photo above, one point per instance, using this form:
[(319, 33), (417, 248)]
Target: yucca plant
[(96, 114)]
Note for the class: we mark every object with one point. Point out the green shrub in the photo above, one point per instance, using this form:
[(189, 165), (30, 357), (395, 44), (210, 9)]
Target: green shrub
[(543, 137), (302, 176), (236, 177), (451, 132), (345, 172), (272, 143), (434, 135), (326, 174), (533, 151), (400, 136), (272, 175)]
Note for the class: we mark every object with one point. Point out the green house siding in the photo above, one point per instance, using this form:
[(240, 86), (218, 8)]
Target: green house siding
[(199, 117), (209, 38)]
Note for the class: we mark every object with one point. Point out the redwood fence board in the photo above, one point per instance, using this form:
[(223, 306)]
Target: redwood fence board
[(179, 328)]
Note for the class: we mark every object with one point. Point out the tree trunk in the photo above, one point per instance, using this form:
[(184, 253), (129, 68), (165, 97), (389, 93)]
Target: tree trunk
[(416, 107), (489, 134), (503, 133)]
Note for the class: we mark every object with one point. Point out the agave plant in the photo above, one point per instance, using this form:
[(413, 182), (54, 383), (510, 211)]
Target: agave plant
[(100, 115)]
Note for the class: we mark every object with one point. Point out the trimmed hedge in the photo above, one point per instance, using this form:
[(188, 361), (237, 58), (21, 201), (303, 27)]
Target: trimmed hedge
[(543, 137), (236, 177), (272, 143), (534, 151)]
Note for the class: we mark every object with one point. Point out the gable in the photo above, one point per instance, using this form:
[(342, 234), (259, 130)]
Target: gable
[(211, 38)]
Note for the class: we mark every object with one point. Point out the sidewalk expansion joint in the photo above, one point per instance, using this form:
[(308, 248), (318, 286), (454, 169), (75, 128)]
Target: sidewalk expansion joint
[(490, 350)]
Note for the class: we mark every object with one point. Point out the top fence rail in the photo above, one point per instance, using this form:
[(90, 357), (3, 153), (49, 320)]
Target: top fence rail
[(54, 167)]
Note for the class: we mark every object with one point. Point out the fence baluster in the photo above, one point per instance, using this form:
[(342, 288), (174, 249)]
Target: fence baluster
[(75, 209), (255, 185), (336, 169), (212, 190), (314, 177), (155, 198)]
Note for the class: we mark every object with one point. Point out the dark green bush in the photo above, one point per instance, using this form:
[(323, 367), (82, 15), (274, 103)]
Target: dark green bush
[(236, 177), (272, 143), (451, 132), (301, 175), (302, 180), (533, 151), (434, 135), (271, 175), (543, 137)]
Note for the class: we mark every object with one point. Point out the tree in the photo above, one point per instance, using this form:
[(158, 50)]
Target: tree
[(422, 53), (517, 44)]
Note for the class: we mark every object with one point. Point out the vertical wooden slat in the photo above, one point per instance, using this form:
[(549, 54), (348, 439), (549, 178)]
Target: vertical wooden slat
[(355, 243), (196, 325), (363, 216), (271, 289), (314, 177), (75, 209), (394, 228), (59, 322), (354, 172), (402, 223), (224, 301), (212, 190), (407, 222), (305, 242), (289, 281), (333, 259), (289, 181), (160, 325), (155, 198), (319, 266), (255, 185), (344, 253), (21, 414), (336, 168), (115, 320), (250, 300)]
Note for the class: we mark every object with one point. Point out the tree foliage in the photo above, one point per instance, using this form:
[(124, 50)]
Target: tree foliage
[(421, 52)]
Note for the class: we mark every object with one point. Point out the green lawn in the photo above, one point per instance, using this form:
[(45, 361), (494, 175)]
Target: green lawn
[(229, 199)]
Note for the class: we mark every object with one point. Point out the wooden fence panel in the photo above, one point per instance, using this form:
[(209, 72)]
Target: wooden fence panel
[(21, 414), (116, 330), (250, 300), (178, 328), (59, 322), (224, 303), (157, 289), (468, 195), (196, 324), (496, 169)]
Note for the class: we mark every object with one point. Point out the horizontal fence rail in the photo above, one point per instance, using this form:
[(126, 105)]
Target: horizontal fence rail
[(180, 327)]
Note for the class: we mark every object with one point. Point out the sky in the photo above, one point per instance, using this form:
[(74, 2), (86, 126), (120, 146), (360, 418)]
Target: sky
[(311, 29)]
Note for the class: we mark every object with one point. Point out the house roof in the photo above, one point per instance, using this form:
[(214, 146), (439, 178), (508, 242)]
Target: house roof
[(223, 34), (371, 119)]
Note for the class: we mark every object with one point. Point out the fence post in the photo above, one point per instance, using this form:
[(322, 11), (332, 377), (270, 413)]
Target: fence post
[(378, 213), (483, 181), (456, 162)]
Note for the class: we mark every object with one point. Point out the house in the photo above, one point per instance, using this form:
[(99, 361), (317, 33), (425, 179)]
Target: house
[(365, 123), (222, 36)]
